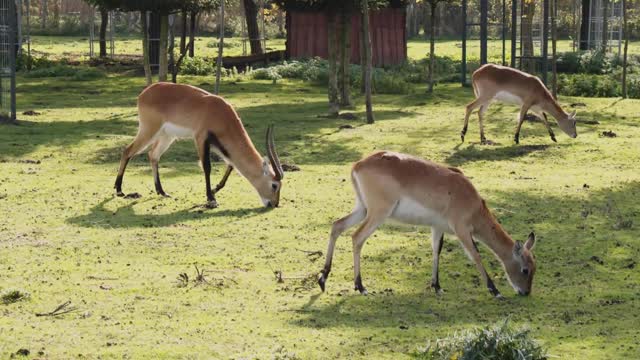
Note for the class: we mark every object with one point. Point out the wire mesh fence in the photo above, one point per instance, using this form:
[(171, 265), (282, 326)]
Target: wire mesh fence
[(8, 40)]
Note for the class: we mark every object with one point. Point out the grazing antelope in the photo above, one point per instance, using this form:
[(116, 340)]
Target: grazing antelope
[(420, 192), (169, 111), (508, 85)]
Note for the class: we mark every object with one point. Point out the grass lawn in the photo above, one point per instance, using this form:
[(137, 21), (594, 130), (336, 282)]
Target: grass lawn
[(65, 236), (417, 48), (78, 47)]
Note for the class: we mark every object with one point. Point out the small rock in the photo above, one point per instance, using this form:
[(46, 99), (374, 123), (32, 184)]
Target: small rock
[(290, 167), (23, 352), (31, 113)]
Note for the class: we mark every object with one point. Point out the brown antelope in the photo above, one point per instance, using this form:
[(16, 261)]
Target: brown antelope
[(508, 85), (169, 111), (415, 191)]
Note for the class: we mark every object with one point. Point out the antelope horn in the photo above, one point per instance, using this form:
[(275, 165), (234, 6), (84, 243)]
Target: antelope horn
[(273, 155)]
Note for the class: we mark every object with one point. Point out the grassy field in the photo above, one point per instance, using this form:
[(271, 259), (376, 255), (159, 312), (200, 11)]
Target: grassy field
[(78, 47), (417, 48), (65, 236)]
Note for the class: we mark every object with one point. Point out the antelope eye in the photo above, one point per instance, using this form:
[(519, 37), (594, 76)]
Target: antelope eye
[(525, 271), (274, 186)]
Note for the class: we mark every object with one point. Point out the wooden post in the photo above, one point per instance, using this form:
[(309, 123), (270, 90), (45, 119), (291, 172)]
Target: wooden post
[(367, 66)]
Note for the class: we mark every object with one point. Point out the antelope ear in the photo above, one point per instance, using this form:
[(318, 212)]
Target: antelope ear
[(265, 166), (531, 241), (517, 248), (573, 114)]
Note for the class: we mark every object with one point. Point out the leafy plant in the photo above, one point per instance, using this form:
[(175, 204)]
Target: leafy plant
[(13, 296), (499, 342)]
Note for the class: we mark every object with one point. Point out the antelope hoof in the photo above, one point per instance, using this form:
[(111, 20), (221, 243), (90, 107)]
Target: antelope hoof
[(462, 133), (437, 289), (499, 296), (119, 194), (321, 281), (516, 138), (211, 204), (483, 141), (362, 291), (553, 137)]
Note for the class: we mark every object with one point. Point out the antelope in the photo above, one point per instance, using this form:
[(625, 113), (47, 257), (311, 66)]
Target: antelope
[(169, 111), (410, 190), (508, 85)]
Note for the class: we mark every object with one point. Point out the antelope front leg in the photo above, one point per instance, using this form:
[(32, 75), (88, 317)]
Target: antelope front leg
[(204, 153), (470, 247), (546, 124), (437, 239), (223, 182)]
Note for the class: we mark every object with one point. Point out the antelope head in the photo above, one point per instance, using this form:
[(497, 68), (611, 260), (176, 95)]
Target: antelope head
[(522, 266), (568, 124), (270, 183)]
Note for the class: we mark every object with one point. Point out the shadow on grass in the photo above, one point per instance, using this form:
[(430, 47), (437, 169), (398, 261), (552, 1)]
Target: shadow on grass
[(492, 153), (126, 217)]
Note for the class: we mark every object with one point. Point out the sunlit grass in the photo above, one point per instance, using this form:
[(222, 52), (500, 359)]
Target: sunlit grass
[(64, 236)]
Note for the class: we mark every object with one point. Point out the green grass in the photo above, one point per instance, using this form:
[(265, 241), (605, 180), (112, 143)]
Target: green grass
[(64, 236), (78, 47)]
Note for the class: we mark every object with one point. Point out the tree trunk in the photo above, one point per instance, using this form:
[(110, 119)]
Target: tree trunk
[(145, 47), (192, 33), (345, 59), (426, 21), (625, 33), (367, 65), (432, 43), (605, 24), (220, 47), (44, 12), (183, 32), (163, 68), (56, 13), (554, 40), (333, 92), (104, 21), (584, 26), (529, 10), (251, 15)]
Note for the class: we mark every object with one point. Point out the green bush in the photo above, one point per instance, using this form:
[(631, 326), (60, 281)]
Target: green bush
[(498, 342), (588, 85), (197, 66), (36, 62), (75, 73)]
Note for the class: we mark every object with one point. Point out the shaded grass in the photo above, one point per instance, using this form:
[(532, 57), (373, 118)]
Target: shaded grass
[(66, 237)]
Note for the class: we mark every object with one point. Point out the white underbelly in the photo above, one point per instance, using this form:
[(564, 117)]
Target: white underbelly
[(176, 131), (409, 211), (507, 97)]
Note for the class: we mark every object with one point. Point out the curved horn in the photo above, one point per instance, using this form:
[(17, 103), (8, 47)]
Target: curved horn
[(273, 155)]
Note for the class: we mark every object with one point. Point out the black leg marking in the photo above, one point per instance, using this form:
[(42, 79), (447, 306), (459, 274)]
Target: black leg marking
[(158, 185), (118, 184), (206, 166), (359, 285), (517, 138), (324, 274), (214, 141), (475, 246), (436, 285), (463, 133), (492, 287)]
